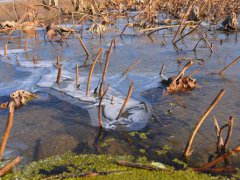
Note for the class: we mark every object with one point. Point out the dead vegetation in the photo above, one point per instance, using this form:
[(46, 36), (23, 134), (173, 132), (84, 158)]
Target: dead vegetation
[(180, 83), (17, 99)]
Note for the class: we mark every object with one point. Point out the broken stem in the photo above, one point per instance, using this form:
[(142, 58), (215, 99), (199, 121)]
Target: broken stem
[(26, 43), (231, 64), (100, 106), (10, 166), (126, 100), (230, 129), (217, 129), (131, 67), (91, 71), (201, 120), (107, 63), (222, 157), (8, 128), (83, 45), (5, 48), (59, 74), (77, 74)]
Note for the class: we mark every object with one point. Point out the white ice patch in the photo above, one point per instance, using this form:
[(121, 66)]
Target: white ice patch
[(44, 75), (13, 51)]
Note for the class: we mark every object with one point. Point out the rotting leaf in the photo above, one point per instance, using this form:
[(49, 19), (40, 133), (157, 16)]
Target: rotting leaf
[(180, 83), (22, 97)]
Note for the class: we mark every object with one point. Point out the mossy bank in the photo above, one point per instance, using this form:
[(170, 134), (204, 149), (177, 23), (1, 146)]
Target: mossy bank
[(72, 166)]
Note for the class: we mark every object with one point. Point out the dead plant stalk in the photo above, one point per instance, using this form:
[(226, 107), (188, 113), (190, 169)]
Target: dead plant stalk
[(126, 100), (100, 106), (107, 63), (201, 120), (59, 74), (231, 64), (11, 107), (77, 74), (91, 71), (5, 48), (10, 166), (83, 45)]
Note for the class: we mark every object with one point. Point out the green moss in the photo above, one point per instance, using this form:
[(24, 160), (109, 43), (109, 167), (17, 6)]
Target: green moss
[(70, 165), (164, 150)]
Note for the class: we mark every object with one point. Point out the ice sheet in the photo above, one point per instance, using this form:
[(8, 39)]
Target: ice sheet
[(44, 74)]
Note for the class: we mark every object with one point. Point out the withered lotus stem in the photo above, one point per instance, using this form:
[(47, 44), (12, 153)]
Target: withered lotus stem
[(126, 100), (8, 128), (5, 48), (59, 74), (83, 45), (26, 43), (107, 62), (77, 74), (91, 71)]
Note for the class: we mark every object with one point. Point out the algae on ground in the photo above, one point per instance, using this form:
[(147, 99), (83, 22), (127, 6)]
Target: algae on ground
[(69, 165)]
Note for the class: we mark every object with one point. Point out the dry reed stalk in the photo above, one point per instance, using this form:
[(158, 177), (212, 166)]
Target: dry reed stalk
[(10, 166), (83, 45), (131, 67), (217, 129), (100, 106), (91, 71), (114, 42), (5, 48), (100, 60), (222, 157), (159, 29), (59, 74), (229, 134), (126, 100), (107, 63), (112, 100), (181, 74), (77, 74), (217, 170), (161, 70), (209, 45), (26, 43), (231, 64), (183, 20), (15, 10), (100, 90), (187, 33), (19, 21), (73, 21), (125, 27), (194, 49), (8, 128), (201, 120), (58, 61)]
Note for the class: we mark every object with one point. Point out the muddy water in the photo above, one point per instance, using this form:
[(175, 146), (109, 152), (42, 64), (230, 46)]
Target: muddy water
[(57, 122)]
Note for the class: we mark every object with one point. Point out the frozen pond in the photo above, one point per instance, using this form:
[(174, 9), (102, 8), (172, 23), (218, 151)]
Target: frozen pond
[(63, 118)]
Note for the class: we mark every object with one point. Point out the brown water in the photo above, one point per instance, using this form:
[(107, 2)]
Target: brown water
[(56, 122)]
